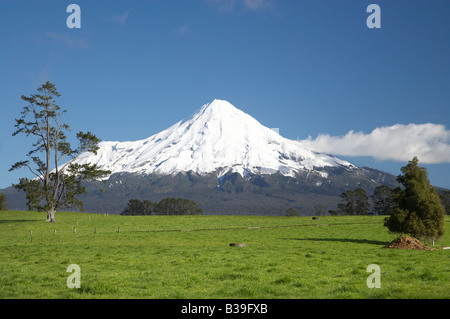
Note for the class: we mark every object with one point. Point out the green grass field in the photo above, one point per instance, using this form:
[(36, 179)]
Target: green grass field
[(190, 257)]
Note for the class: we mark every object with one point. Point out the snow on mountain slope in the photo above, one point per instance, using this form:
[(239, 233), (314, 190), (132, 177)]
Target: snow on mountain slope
[(219, 138)]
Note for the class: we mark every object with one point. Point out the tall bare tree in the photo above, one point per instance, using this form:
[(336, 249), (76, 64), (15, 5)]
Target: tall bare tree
[(56, 185)]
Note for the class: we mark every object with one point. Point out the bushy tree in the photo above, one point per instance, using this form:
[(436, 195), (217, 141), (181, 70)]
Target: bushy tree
[(333, 212), (134, 207), (149, 207), (320, 210), (355, 202), (179, 206), (418, 210), (167, 206), (56, 185), (445, 200), (383, 200), (3, 205), (291, 212)]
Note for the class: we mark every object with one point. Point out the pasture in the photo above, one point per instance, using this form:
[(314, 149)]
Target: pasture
[(189, 257)]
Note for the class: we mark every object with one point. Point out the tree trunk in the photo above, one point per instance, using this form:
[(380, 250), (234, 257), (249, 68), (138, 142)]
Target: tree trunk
[(51, 215)]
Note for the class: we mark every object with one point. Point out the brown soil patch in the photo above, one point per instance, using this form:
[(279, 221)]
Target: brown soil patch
[(406, 242)]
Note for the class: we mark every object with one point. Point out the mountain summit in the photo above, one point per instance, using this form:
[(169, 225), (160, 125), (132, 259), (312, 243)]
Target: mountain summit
[(218, 139)]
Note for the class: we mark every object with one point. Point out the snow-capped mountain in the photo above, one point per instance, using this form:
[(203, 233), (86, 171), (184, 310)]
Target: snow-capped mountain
[(227, 162), (218, 139)]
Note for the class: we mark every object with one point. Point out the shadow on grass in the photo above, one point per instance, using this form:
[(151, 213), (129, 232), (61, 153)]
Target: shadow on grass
[(343, 240)]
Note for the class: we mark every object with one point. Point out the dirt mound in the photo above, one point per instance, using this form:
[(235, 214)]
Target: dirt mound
[(406, 242)]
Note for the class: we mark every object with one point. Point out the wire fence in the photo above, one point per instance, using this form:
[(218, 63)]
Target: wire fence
[(66, 233)]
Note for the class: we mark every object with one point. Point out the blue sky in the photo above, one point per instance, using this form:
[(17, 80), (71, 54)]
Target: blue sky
[(311, 68)]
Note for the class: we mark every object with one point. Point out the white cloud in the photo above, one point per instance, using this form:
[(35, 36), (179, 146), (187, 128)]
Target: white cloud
[(224, 5), (181, 31), (229, 5), (68, 40), (429, 142), (255, 4), (121, 19), (42, 77)]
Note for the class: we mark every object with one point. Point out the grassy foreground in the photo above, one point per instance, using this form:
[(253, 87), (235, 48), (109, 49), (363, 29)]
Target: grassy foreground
[(190, 257)]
